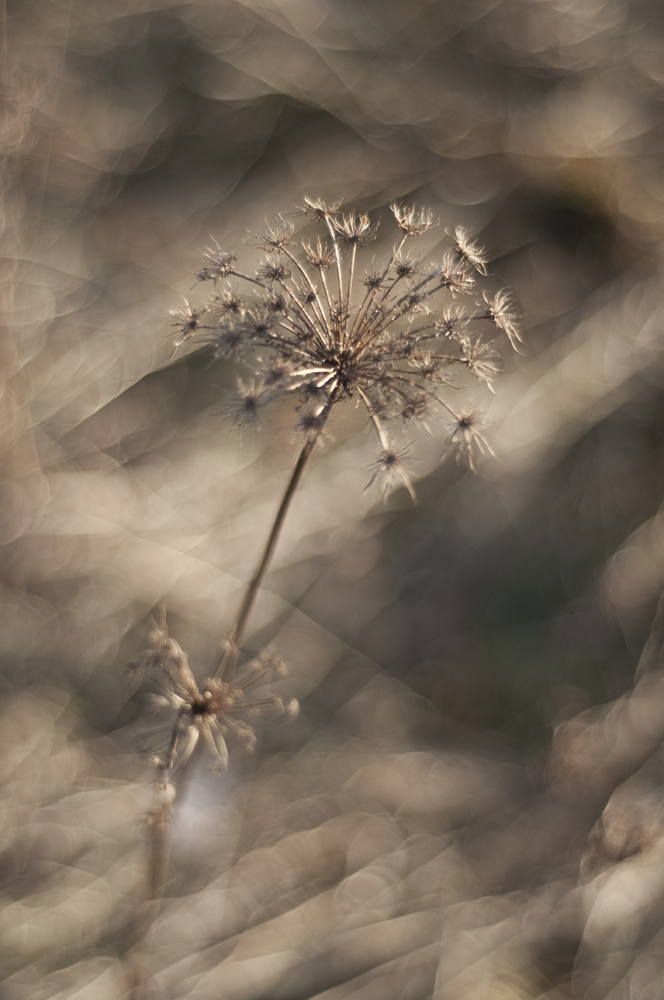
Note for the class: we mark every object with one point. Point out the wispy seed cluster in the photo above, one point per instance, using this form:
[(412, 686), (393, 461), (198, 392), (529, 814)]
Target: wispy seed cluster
[(320, 327), (212, 713)]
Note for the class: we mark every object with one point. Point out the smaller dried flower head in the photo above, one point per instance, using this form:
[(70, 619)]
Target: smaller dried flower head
[(187, 321), (500, 309), (407, 265), (226, 302), (275, 237), (321, 256), (471, 254), (411, 220), (453, 275), (219, 264), (246, 405), (316, 210), (481, 359), (210, 712), (374, 278), (356, 230), (274, 270), (392, 468), (454, 323), (432, 367), (311, 427), (229, 341), (466, 437)]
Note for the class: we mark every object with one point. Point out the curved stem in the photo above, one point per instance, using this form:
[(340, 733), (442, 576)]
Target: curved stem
[(160, 824), (233, 640)]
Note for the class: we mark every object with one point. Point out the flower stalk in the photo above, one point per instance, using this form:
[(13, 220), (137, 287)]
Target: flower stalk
[(233, 642), (393, 348)]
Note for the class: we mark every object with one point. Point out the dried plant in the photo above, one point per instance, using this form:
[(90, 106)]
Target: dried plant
[(385, 339)]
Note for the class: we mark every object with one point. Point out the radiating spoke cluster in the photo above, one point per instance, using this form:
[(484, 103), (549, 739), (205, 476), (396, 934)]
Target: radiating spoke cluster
[(316, 328), (210, 713)]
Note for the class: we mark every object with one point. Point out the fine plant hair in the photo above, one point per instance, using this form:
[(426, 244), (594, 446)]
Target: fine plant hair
[(319, 327)]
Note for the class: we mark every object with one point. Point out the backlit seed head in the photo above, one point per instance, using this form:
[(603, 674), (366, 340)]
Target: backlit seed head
[(468, 252), (187, 321), (321, 256), (392, 468), (501, 310), (318, 327), (412, 221), (316, 210), (209, 712), (356, 230), (218, 264), (245, 406)]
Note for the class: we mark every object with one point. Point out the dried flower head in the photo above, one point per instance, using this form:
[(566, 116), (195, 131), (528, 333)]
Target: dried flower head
[(466, 437), (374, 278), (275, 237), (187, 322), (321, 256), (411, 220), (224, 302), (469, 253), (454, 275), (246, 404), (500, 309), (210, 712), (481, 359), (318, 332), (274, 270), (454, 322), (356, 230), (316, 210), (407, 265), (392, 468), (218, 264)]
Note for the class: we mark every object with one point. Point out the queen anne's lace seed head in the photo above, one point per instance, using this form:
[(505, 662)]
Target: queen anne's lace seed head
[(481, 359), (411, 220), (466, 437), (274, 270), (316, 210), (500, 309), (321, 256), (319, 327), (393, 467), (187, 322), (355, 231), (469, 253), (225, 302), (407, 265), (210, 712), (245, 406), (218, 264)]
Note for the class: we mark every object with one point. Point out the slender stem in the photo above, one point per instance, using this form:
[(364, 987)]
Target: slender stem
[(351, 274), (233, 640), (337, 255), (160, 825), (380, 430)]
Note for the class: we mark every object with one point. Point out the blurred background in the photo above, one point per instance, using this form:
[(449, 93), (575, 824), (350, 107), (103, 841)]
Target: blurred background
[(412, 834)]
